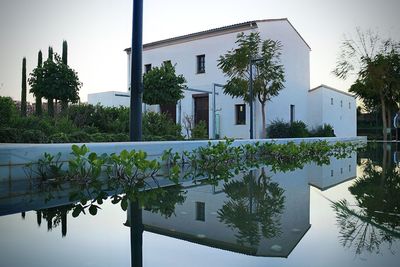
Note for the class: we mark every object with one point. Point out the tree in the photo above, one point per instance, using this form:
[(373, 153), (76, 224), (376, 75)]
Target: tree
[(23, 87), (162, 85), (375, 63), (38, 105), (50, 100), (65, 52), (268, 75), (64, 104), (55, 80)]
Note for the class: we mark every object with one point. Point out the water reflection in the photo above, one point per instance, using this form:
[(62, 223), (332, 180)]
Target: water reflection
[(253, 207), (374, 220), (262, 212)]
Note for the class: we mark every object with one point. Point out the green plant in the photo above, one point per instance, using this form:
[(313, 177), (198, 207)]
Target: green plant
[(23, 88), (38, 103), (199, 131), (269, 75), (8, 111), (157, 126), (323, 131), (48, 168), (55, 81), (298, 129), (278, 129), (162, 85), (85, 165)]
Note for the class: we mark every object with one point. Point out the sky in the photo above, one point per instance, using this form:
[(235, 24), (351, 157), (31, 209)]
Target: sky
[(98, 31)]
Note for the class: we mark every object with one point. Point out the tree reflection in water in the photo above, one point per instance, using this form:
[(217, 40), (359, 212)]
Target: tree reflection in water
[(254, 207), (375, 219)]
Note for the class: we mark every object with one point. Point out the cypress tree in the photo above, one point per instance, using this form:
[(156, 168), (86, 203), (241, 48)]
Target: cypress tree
[(64, 104), (65, 52), (23, 92), (38, 106), (50, 101)]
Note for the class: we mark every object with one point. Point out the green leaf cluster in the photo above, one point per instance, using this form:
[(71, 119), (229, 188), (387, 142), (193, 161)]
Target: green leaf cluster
[(162, 85)]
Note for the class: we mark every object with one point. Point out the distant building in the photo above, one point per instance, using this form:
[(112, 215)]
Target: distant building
[(328, 105), (110, 99)]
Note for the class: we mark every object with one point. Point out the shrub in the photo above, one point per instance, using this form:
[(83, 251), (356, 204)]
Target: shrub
[(298, 129), (79, 137), (157, 126), (9, 135), (323, 131), (105, 119), (59, 138), (278, 129), (44, 124), (199, 131), (32, 136), (8, 110)]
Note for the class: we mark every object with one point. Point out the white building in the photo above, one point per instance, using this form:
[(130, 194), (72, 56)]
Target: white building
[(110, 99), (328, 105), (196, 57)]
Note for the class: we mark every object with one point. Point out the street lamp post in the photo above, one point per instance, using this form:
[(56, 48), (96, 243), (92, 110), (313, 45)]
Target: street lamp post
[(135, 120), (252, 61)]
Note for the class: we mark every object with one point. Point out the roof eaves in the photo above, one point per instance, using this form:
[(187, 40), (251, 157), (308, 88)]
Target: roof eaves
[(330, 88), (200, 35), (291, 25)]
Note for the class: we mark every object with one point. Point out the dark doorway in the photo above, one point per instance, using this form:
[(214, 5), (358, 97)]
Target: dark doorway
[(169, 110), (201, 109)]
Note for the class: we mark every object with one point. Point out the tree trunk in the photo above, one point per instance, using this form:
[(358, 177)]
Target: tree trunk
[(38, 106), (64, 106), (384, 121), (389, 121), (50, 107), (264, 126)]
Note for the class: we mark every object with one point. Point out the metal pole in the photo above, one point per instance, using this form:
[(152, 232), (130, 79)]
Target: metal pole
[(251, 98), (135, 121), (136, 231), (214, 115)]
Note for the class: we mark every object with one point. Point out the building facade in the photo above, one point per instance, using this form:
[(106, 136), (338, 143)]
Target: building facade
[(196, 56)]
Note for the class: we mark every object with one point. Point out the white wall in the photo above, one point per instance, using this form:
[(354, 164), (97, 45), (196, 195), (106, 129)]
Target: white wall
[(110, 99), (295, 58)]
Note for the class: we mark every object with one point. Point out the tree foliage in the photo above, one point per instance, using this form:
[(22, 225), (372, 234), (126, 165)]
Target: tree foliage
[(162, 85), (38, 104), (375, 63), (23, 88), (55, 80), (268, 74)]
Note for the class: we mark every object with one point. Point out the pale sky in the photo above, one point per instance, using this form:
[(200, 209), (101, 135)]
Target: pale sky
[(98, 31)]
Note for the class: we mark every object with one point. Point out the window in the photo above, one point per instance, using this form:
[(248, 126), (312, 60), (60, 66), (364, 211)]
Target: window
[(147, 68), (200, 211), (331, 173), (292, 109), (240, 111), (201, 63), (341, 103), (331, 101), (349, 168), (349, 105), (341, 170)]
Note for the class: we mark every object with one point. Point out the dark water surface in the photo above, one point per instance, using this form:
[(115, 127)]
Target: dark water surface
[(342, 214)]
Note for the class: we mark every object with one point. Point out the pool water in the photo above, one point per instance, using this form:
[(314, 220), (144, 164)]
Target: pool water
[(342, 214)]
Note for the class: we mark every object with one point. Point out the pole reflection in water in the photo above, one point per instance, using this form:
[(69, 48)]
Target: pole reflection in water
[(136, 225)]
